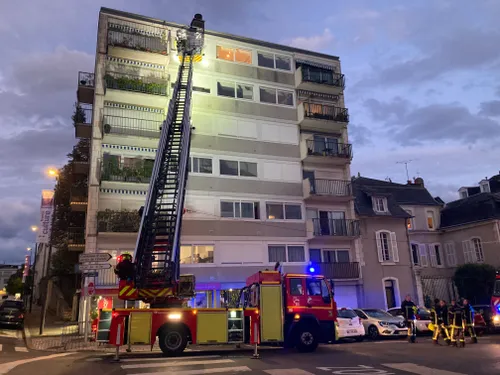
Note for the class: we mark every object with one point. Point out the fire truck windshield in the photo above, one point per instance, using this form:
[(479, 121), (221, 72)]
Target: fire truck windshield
[(496, 289)]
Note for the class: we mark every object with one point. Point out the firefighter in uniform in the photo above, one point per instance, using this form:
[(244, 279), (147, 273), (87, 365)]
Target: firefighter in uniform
[(409, 310), (125, 269), (469, 320), (440, 322), (457, 324)]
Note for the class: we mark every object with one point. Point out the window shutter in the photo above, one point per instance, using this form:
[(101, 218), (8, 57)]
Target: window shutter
[(379, 247), (424, 261), (374, 206), (432, 255), (451, 258), (468, 251), (394, 246)]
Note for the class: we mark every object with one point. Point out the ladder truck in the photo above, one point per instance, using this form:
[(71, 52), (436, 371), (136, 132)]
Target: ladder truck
[(294, 310)]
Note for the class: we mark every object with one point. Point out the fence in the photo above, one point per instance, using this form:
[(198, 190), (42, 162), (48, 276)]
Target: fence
[(440, 287)]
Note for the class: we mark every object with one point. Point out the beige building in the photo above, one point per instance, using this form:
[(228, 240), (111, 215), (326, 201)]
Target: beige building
[(265, 116)]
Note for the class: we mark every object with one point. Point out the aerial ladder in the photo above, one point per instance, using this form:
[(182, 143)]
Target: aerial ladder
[(153, 275)]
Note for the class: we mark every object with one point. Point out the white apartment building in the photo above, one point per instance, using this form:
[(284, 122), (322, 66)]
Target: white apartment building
[(266, 116)]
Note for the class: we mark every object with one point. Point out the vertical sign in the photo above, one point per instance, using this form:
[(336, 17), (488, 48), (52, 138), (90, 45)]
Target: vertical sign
[(46, 211), (26, 272)]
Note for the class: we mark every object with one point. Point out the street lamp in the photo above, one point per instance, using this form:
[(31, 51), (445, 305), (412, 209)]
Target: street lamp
[(34, 229), (52, 172)]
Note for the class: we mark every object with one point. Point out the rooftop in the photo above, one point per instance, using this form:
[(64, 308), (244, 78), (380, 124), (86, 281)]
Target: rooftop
[(476, 208)]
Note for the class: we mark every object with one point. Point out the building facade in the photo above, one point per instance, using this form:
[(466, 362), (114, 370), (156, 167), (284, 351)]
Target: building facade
[(261, 112), (6, 271)]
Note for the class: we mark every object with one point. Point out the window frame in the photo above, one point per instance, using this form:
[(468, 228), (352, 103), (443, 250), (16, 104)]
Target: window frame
[(336, 252), (239, 168), (276, 89), (485, 187), (235, 89), (193, 245), (233, 49), (291, 70), (411, 221), (479, 242), (417, 254), (392, 246), (384, 204), (430, 215), (283, 208), (240, 201), (191, 164), (286, 246)]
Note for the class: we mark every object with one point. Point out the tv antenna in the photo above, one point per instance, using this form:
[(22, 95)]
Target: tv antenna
[(406, 162)]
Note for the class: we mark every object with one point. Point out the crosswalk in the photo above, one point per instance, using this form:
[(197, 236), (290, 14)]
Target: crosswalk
[(12, 341)]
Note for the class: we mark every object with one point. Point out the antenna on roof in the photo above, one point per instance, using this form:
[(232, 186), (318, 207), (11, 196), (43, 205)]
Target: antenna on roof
[(406, 162)]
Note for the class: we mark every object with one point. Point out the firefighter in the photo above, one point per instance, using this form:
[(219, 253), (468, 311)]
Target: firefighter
[(469, 320), (456, 323), (440, 322), (125, 268), (409, 310)]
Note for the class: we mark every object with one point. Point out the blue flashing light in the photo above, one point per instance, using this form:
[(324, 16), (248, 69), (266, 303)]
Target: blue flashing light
[(498, 308), (312, 269)]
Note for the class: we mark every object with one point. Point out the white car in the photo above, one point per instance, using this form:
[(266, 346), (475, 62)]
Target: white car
[(378, 322), (349, 325), (423, 318)]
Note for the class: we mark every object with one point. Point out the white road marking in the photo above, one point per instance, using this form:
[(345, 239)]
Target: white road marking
[(360, 369), (6, 367), (288, 371), (201, 371), (420, 370), (21, 349), (168, 359), (178, 363), (1, 347)]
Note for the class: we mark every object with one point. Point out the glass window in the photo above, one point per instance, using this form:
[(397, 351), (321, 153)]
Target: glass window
[(243, 56), (296, 287), (293, 211), (313, 287), (285, 97), (186, 255), (415, 254), (430, 220), (248, 169), (315, 255), (267, 95), (247, 210), (228, 167), (244, 91), (346, 313), (226, 209), (265, 59), (226, 89), (437, 250), (384, 246), (274, 211), (296, 254), (277, 253), (203, 254), (283, 62), (225, 53), (343, 256), (200, 165)]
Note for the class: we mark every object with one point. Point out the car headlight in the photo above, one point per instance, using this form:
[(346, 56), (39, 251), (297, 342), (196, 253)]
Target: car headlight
[(383, 324), (496, 318)]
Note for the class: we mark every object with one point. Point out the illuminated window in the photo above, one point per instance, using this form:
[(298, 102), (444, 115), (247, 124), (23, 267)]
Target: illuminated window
[(225, 53), (234, 54), (286, 211), (194, 254), (430, 219), (410, 223)]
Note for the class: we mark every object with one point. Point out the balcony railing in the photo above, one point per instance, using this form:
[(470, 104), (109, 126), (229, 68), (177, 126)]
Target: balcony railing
[(322, 76), (336, 227), (78, 196), (338, 271), (76, 237), (133, 40), (326, 112), (86, 79), (118, 221), (131, 126), (339, 150), (129, 82), (140, 172), (338, 188), (83, 116), (107, 277)]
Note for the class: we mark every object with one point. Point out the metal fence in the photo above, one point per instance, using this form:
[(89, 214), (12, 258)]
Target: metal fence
[(326, 112), (131, 126), (138, 42), (86, 79), (335, 149), (130, 82), (338, 188), (336, 227), (440, 287)]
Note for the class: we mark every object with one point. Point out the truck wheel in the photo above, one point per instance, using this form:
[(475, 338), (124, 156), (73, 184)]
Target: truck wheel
[(173, 340), (307, 338)]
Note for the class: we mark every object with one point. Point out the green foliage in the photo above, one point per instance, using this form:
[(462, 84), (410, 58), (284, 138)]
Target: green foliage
[(139, 171), (118, 221), (135, 84), (475, 282), (15, 283)]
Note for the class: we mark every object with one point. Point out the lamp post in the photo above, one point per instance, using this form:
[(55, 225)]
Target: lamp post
[(34, 229)]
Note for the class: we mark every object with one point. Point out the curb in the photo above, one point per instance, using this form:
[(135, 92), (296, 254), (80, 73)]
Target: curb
[(27, 337)]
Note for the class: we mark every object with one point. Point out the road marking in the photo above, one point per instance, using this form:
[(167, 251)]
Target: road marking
[(168, 359), (420, 370), (21, 349), (201, 371), (6, 367), (178, 363), (360, 369), (288, 371)]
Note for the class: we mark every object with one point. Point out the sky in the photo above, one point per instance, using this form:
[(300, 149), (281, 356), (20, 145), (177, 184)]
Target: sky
[(423, 84)]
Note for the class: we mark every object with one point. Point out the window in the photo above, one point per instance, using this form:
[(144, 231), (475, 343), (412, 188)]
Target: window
[(424, 259), (410, 222), (451, 258), (235, 209), (235, 90), (296, 287), (391, 291), (315, 255), (234, 54), (313, 287), (336, 256), (485, 187), (463, 194), (286, 253), (379, 204), (435, 254), (200, 165), (238, 168), (274, 61), (477, 247), (430, 220), (194, 254), (283, 211), (387, 246), (275, 96), (415, 254)]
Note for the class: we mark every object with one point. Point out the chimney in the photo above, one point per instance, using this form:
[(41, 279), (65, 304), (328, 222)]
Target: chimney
[(419, 181), (409, 182)]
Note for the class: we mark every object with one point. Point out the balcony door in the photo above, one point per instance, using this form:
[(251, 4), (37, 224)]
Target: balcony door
[(331, 223), (336, 256), (326, 145), (310, 176)]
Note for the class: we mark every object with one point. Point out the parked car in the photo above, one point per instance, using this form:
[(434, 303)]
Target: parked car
[(349, 325), (12, 313), (423, 316), (378, 322)]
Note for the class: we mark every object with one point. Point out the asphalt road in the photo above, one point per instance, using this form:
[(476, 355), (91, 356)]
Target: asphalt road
[(12, 346), (368, 358)]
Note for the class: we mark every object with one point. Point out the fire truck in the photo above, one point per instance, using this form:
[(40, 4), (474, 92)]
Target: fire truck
[(495, 301), (294, 310)]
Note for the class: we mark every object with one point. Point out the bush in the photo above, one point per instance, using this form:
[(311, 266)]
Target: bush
[(475, 282)]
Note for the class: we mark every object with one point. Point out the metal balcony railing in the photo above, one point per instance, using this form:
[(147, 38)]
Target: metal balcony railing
[(336, 227), (129, 82), (118, 221), (338, 188), (78, 195), (322, 76), (141, 42), (84, 116), (131, 126), (140, 172), (338, 271), (326, 112), (76, 236), (107, 277), (335, 149), (86, 79)]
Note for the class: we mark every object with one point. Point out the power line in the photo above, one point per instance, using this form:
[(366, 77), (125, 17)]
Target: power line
[(406, 162)]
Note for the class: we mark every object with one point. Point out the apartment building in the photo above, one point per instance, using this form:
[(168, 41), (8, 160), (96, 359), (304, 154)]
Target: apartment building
[(265, 116)]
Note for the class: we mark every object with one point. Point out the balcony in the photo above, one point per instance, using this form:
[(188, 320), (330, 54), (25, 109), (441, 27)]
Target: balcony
[(339, 271), (78, 199), (337, 228), (86, 87), (127, 82), (83, 122), (139, 171), (81, 167), (131, 126), (110, 221), (319, 80), (107, 278), (324, 191), (331, 153), (323, 118), (154, 41), (76, 239)]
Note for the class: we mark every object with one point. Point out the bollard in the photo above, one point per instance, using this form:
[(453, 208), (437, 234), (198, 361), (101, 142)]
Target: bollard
[(256, 338), (255, 353)]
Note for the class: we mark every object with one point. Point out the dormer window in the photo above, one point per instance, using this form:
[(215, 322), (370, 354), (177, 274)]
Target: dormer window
[(463, 192), (485, 186), (379, 204)]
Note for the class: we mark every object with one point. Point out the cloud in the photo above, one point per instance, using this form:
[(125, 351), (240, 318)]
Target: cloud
[(359, 135), (491, 108), (315, 42)]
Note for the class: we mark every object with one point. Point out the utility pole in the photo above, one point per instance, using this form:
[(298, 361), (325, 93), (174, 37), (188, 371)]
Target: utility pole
[(406, 162)]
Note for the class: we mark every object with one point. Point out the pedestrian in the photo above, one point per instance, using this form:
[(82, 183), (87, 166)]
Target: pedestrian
[(468, 311), (409, 310)]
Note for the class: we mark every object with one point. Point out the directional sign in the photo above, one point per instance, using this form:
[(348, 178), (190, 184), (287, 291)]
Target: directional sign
[(94, 266), (94, 258), (91, 274)]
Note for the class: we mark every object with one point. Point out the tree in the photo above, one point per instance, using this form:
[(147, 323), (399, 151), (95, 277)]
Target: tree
[(15, 283), (475, 282)]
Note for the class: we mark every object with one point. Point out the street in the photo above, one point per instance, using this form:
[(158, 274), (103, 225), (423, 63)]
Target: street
[(380, 357), (12, 346)]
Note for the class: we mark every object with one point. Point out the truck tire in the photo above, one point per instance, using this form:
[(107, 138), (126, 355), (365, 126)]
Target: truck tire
[(307, 338), (173, 340)]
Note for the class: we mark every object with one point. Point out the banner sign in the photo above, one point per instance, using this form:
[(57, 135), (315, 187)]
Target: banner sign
[(46, 212)]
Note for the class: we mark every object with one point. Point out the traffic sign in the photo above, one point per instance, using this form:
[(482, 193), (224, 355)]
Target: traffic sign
[(90, 289), (94, 266), (94, 257), (91, 274)]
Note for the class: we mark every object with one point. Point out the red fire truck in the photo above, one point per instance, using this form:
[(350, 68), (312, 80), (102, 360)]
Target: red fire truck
[(296, 310)]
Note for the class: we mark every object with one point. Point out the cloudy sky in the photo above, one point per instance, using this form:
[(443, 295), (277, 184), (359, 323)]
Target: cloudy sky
[(423, 84)]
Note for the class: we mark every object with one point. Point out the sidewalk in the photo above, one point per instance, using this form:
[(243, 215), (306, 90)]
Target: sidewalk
[(52, 336)]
